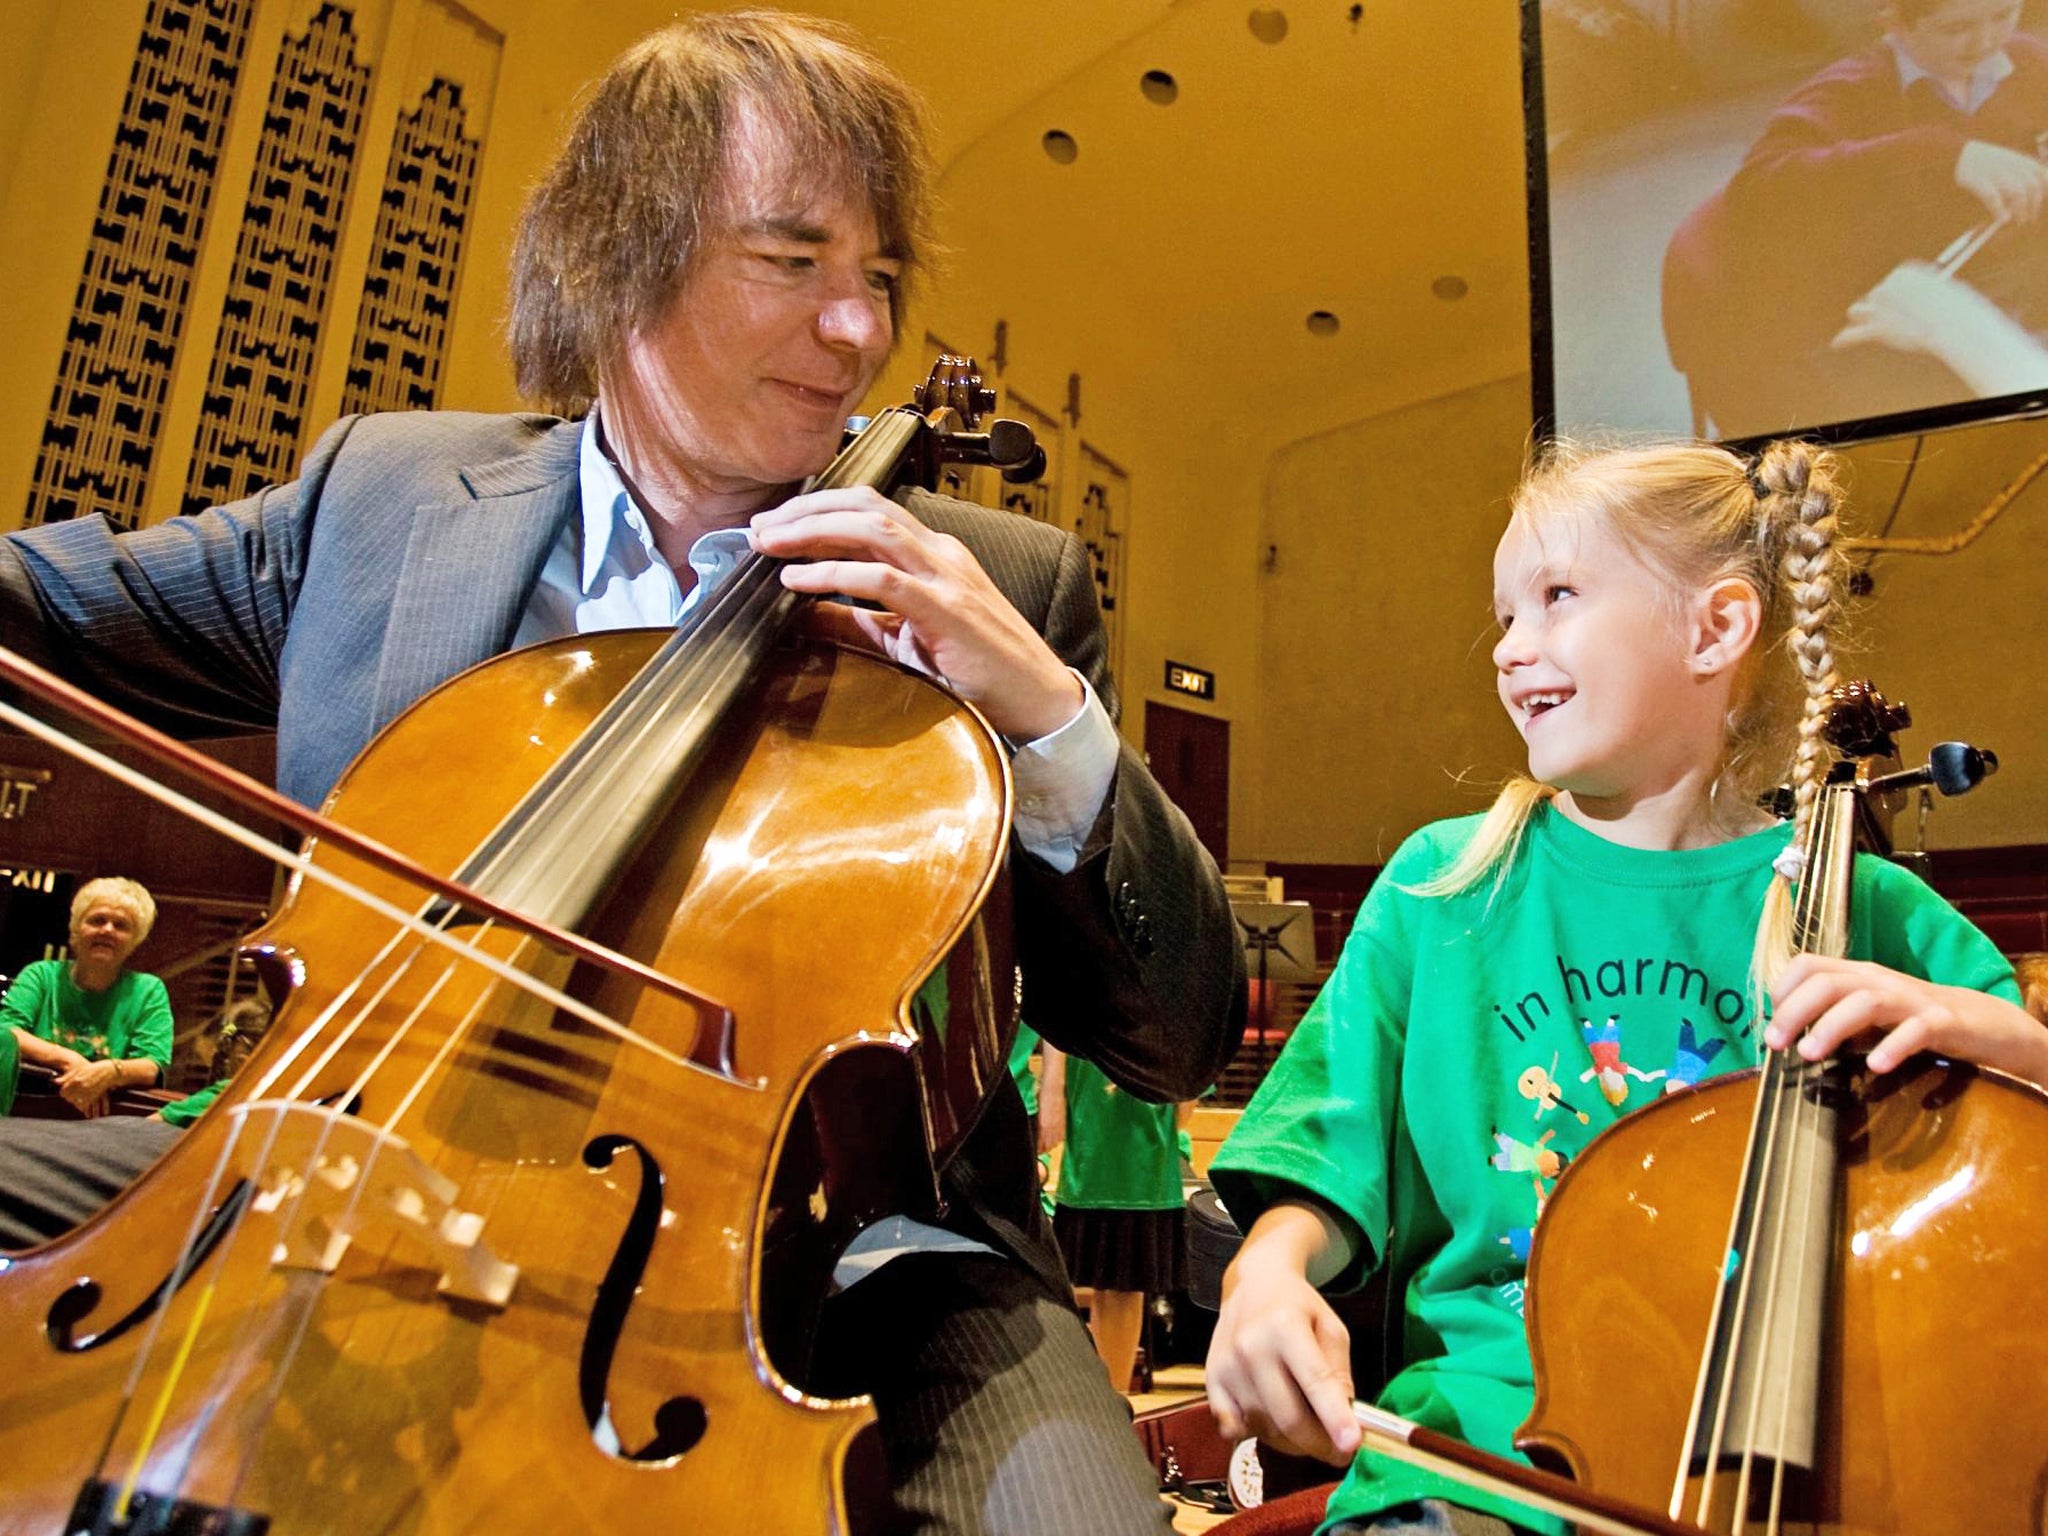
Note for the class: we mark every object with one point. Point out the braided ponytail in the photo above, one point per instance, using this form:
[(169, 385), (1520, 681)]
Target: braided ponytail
[(1800, 495), (1798, 515)]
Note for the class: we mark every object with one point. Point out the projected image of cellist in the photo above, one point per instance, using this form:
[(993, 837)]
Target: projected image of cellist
[(1923, 149), (706, 283)]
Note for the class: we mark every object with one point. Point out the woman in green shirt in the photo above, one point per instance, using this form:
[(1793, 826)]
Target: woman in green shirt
[(1518, 981), (98, 1025)]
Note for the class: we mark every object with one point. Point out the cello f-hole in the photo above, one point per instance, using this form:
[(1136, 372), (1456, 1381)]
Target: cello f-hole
[(680, 1422), (72, 1306)]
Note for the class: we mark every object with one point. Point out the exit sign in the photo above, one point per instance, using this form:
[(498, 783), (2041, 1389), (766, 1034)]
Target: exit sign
[(1181, 678)]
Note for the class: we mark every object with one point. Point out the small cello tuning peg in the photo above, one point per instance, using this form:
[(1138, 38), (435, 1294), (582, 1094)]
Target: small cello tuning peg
[(1956, 767), (1953, 768)]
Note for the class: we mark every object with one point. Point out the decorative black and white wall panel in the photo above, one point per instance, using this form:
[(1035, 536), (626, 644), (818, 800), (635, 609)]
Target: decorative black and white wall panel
[(100, 441), (253, 418)]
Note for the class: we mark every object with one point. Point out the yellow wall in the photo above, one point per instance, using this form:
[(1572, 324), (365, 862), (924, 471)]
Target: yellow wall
[(1353, 671)]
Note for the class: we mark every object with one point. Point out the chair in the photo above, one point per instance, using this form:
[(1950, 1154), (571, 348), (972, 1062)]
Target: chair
[(1297, 1514)]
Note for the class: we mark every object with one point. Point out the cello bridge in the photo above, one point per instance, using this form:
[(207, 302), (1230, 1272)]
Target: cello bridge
[(329, 1178)]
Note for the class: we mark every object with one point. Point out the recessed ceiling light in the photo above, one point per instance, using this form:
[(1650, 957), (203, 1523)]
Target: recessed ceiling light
[(1322, 323), (1268, 26), (1450, 288), (1060, 147), (1159, 87)]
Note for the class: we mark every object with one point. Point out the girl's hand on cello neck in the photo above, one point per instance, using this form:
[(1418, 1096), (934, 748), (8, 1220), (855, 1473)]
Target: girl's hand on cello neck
[(1280, 1361), (1823, 1004)]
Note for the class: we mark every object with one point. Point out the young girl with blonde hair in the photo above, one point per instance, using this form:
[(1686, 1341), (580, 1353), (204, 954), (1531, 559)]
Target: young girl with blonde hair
[(1518, 981)]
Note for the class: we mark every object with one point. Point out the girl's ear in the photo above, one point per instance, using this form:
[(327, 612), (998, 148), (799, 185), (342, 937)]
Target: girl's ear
[(1726, 619)]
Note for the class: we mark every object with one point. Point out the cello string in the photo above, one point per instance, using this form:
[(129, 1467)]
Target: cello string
[(260, 1323), (299, 1311), (238, 1122), (316, 1282), (302, 864), (1740, 1366), (1711, 1357), (1772, 1208), (1788, 1108), (180, 1271), (256, 1322), (369, 1073), (1795, 1213), (1762, 1166)]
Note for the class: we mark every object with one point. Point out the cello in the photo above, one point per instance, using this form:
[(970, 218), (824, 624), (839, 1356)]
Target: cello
[(1826, 1278), (520, 1214)]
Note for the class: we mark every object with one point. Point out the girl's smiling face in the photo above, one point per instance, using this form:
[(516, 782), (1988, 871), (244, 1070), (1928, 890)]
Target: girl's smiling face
[(1594, 664)]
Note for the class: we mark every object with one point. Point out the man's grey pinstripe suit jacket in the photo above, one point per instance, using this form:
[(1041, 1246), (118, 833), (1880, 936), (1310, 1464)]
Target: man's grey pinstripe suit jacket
[(407, 551)]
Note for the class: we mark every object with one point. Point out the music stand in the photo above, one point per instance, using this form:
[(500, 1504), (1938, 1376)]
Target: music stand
[(1279, 945)]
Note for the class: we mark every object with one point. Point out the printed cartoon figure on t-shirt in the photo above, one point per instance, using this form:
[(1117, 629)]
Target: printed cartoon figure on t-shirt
[(1694, 1056), (1539, 1158), (1659, 1007), (1537, 1084), (1604, 1041)]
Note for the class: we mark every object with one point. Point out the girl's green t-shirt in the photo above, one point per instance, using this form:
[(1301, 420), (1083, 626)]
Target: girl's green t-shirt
[(1467, 1048)]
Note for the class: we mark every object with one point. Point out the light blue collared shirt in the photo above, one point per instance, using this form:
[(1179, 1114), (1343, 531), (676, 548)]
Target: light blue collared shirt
[(1984, 79), (606, 573)]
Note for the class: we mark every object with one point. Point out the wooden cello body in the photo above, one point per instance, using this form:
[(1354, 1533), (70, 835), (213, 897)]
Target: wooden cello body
[(448, 1259), (1937, 1420)]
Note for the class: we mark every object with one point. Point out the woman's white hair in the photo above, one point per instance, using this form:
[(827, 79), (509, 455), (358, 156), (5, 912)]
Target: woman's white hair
[(131, 896)]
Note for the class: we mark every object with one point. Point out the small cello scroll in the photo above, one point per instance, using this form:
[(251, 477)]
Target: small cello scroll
[(1861, 725)]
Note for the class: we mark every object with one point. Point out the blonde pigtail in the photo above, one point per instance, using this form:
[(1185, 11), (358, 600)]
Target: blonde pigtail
[(1491, 852)]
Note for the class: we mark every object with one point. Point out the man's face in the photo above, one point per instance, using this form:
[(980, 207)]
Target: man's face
[(1951, 39), (749, 374)]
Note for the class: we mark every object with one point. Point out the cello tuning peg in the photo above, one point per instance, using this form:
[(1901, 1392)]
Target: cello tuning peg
[(1953, 767), (1029, 470), (1956, 767), (1010, 444)]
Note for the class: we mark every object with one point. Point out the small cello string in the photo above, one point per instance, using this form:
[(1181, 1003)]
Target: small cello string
[(1737, 1365), (1762, 1167), (1760, 1157), (1701, 1440), (262, 1323), (238, 1118), (431, 1072), (258, 1323), (265, 1323), (1788, 1115), (1825, 881), (1794, 1108)]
